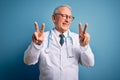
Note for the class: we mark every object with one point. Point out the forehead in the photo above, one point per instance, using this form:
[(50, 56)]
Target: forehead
[(64, 10)]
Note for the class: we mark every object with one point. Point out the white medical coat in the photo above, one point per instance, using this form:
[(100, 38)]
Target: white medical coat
[(54, 61)]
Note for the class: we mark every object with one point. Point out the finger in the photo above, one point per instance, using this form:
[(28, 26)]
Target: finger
[(80, 28), (86, 25), (36, 27), (43, 27), (86, 41), (33, 38), (36, 35)]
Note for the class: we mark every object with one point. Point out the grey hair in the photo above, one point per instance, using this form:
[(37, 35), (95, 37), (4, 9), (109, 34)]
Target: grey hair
[(56, 9)]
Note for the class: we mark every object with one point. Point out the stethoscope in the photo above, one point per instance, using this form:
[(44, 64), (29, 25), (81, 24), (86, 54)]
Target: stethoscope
[(68, 42)]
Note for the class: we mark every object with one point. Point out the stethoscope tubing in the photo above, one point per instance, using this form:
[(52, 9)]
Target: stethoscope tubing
[(69, 51)]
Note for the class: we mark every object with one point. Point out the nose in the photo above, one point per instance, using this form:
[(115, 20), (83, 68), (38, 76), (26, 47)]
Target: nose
[(67, 20)]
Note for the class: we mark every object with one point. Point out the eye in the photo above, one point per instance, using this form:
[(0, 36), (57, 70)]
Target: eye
[(64, 15)]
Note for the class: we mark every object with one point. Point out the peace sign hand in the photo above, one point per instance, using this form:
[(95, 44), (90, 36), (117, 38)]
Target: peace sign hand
[(38, 35), (83, 35)]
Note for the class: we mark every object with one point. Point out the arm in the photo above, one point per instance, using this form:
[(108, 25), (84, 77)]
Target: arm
[(86, 57), (31, 55)]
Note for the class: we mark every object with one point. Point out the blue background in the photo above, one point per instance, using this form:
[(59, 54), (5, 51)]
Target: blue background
[(17, 26)]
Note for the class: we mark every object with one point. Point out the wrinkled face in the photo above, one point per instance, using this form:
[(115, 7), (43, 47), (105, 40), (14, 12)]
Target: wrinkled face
[(62, 19)]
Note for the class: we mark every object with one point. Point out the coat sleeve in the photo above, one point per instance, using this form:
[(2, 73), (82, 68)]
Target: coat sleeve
[(32, 54), (86, 56)]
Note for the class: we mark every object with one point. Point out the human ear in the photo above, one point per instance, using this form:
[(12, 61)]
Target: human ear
[(53, 18)]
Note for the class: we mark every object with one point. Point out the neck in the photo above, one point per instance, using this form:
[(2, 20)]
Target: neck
[(59, 30)]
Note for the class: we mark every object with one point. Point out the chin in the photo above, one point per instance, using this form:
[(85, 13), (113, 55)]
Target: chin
[(65, 29)]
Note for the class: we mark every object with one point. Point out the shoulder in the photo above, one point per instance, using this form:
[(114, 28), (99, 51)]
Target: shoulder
[(75, 37), (46, 33), (73, 34)]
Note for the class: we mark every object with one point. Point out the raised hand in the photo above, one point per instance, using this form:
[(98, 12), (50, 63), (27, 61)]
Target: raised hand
[(38, 35), (84, 37)]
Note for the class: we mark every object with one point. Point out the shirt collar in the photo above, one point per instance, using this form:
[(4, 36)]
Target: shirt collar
[(58, 33)]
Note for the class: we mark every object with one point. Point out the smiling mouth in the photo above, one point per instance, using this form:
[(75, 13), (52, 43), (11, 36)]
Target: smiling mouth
[(65, 24)]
